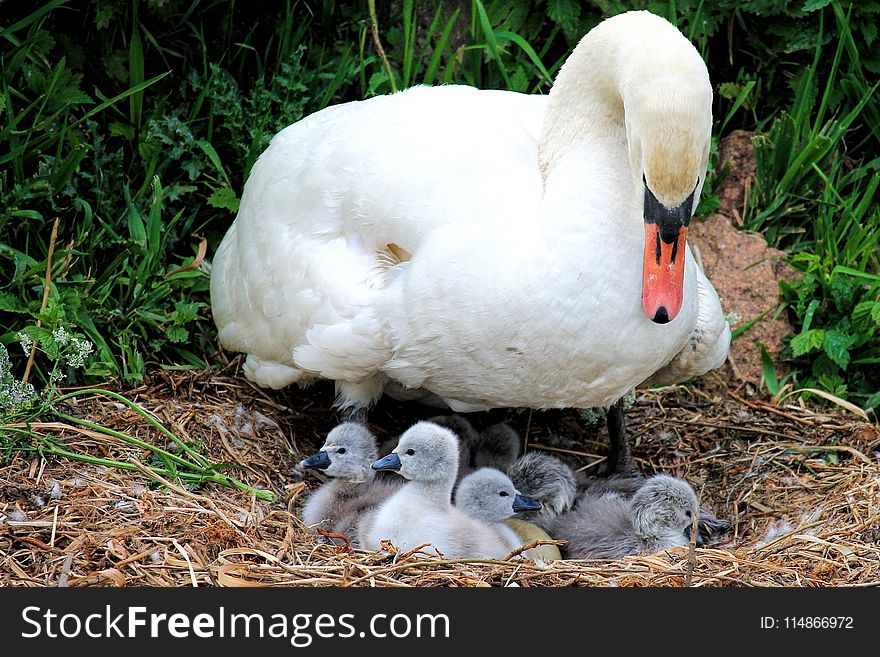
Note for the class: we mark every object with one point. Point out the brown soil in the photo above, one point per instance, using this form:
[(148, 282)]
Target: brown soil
[(744, 270)]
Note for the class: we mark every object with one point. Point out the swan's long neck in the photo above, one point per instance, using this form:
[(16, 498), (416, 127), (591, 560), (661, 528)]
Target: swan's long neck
[(638, 84)]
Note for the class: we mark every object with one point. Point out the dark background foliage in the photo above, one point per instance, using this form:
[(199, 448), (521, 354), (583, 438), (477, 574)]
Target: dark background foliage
[(136, 124)]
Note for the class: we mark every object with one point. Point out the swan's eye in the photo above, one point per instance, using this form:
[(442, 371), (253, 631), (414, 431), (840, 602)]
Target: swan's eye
[(504, 493), (342, 450), (410, 452)]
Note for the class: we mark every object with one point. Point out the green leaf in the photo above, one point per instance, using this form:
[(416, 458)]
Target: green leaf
[(177, 334), (11, 304), (211, 152), (808, 315), (865, 313), (185, 312), (136, 229), (566, 14), (68, 167), (807, 341), (119, 129), (844, 289), (813, 5), (771, 378), (873, 401), (836, 345), (225, 198)]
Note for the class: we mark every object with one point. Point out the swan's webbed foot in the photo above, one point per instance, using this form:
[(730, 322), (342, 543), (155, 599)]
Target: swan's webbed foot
[(620, 460)]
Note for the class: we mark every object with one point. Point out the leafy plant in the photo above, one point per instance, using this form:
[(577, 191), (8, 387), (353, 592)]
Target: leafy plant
[(812, 197), (24, 411)]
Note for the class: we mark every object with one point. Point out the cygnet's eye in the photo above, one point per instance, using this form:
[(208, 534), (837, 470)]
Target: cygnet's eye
[(688, 514), (341, 450), (410, 452), (504, 493)]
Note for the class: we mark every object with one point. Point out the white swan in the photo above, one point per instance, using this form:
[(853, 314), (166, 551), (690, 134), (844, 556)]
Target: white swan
[(492, 248)]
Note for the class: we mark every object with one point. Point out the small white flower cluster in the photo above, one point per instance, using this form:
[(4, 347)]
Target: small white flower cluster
[(733, 318), (79, 351), (73, 349), (14, 395), (25, 341)]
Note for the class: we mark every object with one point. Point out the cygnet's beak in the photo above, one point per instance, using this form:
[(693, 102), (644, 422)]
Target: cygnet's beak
[(701, 541), (319, 460), (390, 462), (523, 503), (665, 246)]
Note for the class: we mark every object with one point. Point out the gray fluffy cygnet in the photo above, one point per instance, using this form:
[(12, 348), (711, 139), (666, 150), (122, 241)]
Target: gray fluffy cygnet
[(548, 480), (339, 504), (489, 495), (658, 516), (559, 489)]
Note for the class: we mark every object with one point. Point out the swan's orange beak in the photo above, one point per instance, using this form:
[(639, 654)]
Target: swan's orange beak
[(663, 274), (665, 248)]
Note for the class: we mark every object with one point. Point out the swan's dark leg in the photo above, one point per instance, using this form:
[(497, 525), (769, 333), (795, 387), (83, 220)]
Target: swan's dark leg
[(620, 460), (354, 414)]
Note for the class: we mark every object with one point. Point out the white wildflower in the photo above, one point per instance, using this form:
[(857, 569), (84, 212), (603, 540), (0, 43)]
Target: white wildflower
[(81, 350), (25, 341), (14, 395), (732, 318), (62, 337)]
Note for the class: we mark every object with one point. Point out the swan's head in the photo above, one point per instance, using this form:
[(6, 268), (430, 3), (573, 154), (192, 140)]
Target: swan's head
[(663, 511), (347, 453), (668, 118), (545, 478), (426, 452), (489, 495), (636, 77)]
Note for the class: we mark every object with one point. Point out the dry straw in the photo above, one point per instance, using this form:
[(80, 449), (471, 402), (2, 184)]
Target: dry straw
[(800, 486)]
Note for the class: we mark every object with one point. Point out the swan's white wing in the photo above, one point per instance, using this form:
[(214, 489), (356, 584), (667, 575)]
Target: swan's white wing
[(340, 197)]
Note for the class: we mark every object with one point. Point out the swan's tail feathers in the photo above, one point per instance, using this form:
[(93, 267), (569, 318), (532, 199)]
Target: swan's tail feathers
[(269, 374), (350, 350), (357, 395)]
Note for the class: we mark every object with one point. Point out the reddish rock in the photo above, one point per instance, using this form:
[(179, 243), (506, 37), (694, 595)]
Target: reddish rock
[(743, 268)]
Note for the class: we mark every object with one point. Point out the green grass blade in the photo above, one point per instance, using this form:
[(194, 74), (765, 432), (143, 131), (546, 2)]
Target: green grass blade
[(439, 48), (491, 42), (136, 72), (530, 53)]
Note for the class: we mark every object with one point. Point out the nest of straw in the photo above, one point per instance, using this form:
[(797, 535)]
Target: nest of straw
[(800, 485)]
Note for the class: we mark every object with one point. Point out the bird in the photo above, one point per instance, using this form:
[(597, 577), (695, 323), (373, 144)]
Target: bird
[(547, 479), (484, 248), (421, 513), (489, 495), (496, 446), (657, 517), (338, 505), (710, 527), (560, 489)]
